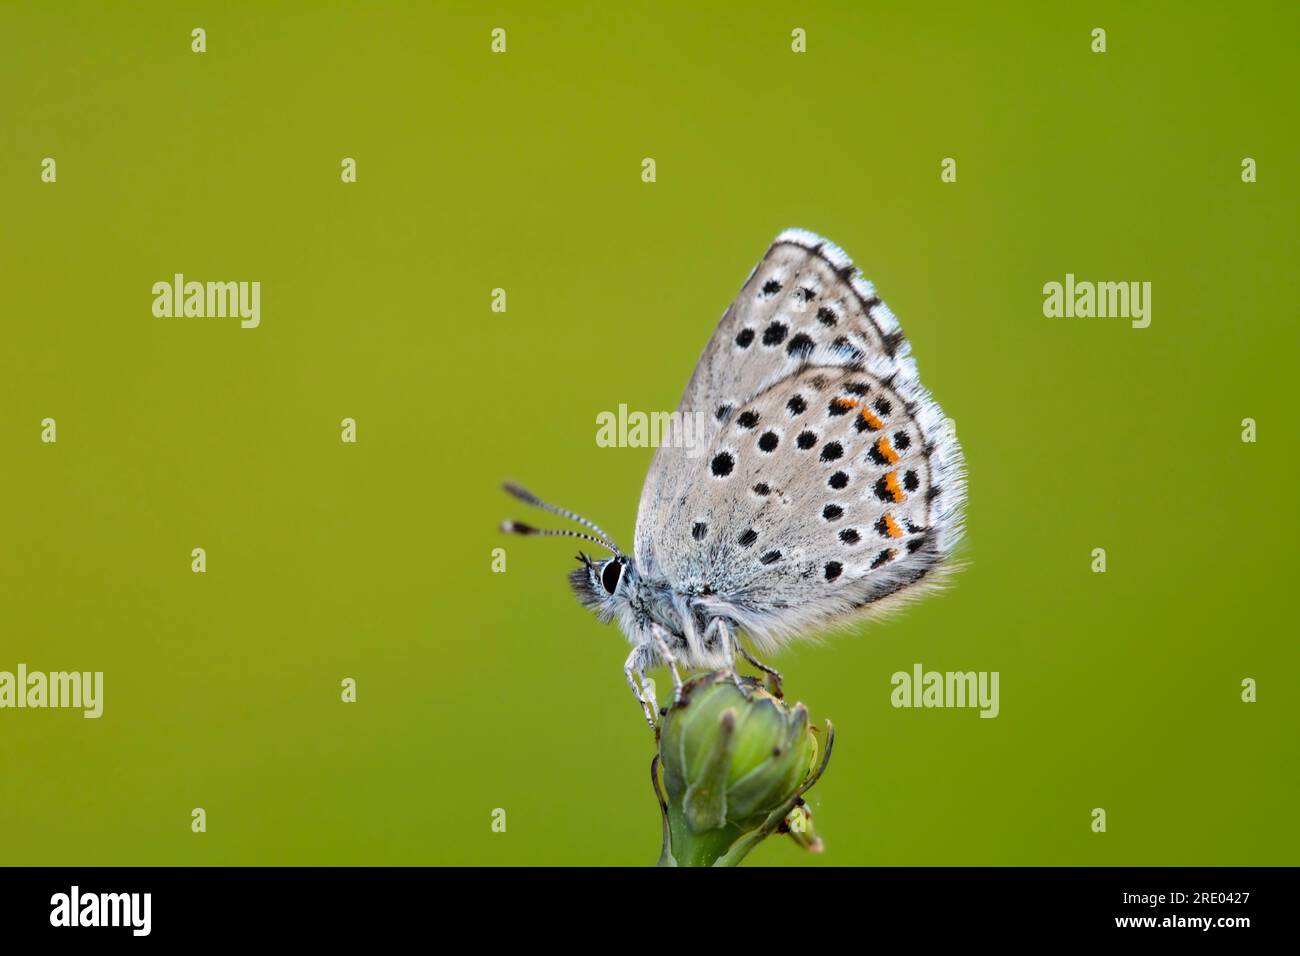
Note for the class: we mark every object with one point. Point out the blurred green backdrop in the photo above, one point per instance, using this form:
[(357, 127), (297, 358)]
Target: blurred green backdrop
[(521, 171)]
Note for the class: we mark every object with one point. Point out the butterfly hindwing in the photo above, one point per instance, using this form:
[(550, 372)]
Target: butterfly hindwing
[(827, 481)]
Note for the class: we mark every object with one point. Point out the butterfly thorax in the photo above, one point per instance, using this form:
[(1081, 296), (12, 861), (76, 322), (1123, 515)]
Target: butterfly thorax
[(642, 606)]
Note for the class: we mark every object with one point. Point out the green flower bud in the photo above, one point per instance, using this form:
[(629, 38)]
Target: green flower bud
[(736, 762)]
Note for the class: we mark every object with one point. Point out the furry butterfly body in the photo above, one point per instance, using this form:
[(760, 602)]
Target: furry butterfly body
[(831, 486)]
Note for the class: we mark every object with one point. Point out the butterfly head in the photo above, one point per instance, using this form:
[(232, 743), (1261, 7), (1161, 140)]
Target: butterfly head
[(607, 586)]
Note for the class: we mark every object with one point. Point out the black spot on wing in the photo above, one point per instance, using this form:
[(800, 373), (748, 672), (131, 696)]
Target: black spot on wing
[(774, 334), (801, 346)]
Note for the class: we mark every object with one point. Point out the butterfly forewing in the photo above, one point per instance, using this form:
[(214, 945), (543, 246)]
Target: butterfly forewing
[(828, 480)]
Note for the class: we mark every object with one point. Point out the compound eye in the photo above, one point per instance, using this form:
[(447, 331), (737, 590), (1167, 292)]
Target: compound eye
[(610, 575)]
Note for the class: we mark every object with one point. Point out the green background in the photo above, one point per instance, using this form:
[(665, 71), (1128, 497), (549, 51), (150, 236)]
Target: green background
[(522, 171)]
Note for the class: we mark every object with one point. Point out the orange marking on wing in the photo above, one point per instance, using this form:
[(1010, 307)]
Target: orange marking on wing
[(844, 404), (872, 421), (891, 484), (886, 449), (891, 527)]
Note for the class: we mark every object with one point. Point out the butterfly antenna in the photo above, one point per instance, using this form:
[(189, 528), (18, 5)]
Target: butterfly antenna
[(518, 527), (526, 496)]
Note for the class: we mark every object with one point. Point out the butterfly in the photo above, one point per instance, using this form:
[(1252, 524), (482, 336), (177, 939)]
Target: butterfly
[(831, 486)]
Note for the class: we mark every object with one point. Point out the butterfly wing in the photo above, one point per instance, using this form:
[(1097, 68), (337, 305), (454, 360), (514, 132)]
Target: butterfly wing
[(827, 481)]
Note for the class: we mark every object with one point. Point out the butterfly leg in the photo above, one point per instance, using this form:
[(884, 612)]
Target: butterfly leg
[(771, 672), (718, 633), (671, 659), (634, 669)]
